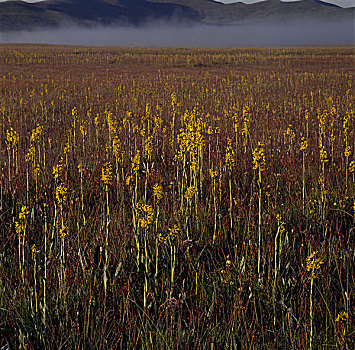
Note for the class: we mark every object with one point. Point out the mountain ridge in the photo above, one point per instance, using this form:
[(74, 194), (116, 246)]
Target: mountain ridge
[(16, 15)]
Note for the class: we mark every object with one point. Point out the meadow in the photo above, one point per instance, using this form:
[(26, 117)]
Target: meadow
[(176, 198)]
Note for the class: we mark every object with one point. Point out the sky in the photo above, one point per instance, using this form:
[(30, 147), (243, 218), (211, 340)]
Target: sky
[(343, 3)]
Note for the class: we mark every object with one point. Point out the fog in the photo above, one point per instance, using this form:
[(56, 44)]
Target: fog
[(305, 33), (342, 3)]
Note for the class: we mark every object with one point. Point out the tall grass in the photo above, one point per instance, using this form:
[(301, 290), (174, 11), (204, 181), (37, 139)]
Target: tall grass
[(176, 199)]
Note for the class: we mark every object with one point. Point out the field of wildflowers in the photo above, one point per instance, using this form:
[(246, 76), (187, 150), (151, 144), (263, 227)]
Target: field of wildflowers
[(176, 198)]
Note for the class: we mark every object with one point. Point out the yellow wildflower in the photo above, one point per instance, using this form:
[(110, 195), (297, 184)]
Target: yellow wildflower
[(136, 161), (63, 232), (147, 212), (80, 168), (19, 227), (347, 152), (158, 191), (23, 213), (313, 263), (230, 155), (259, 157), (66, 148), (289, 132), (61, 193), (57, 169), (34, 249), (190, 192), (342, 316), (30, 153), (36, 133), (106, 173), (12, 136), (128, 180), (213, 174), (148, 146), (173, 232), (304, 144)]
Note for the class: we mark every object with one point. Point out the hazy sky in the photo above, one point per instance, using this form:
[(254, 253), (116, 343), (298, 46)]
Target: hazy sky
[(343, 3)]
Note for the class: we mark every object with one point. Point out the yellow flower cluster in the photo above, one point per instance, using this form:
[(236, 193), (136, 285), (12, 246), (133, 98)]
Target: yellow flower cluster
[(210, 130), (313, 263), (30, 153), (20, 225), (173, 232), (347, 152), (63, 232), (190, 138), (306, 114), (146, 211), (12, 136), (66, 148), (290, 133), (58, 169), (136, 161), (246, 121), (190, 192), (34, 249), (173, 100), (110, 123), (304, 144), (213, 174), (323, 154), (148, 146), (128, 180), (346, 125), (162, 237), (259, 157), (36, 133), (36, 169), (80, 168), (342, 316), (322, 120), (83, 131), (61, 193), (74, 112), (116, 147), (106, 173), (230, 155), (23, 213), (321, 181), (280, 223), (158, 191)]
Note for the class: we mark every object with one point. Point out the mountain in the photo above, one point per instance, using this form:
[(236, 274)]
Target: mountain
[(268, 10), (18, 15)]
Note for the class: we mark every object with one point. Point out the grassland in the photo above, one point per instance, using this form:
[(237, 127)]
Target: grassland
[(176, 199)]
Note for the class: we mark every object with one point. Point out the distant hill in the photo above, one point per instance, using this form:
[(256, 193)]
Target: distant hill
[(18, 15)]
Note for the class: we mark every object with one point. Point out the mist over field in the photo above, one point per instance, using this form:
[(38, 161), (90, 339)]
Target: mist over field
[(195, 35)]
